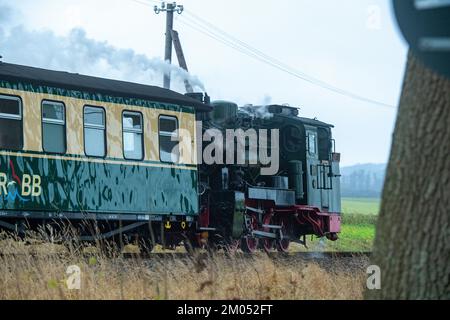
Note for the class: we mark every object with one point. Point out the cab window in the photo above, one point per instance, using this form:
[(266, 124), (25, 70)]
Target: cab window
[(312, 143), (324, 144)]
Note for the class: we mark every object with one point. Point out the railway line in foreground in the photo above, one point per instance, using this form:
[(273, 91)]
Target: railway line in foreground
[(306, 255), (330, 261)]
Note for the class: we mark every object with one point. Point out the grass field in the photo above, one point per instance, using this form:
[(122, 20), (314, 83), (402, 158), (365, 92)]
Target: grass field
[(361, 205), (201, 276), (353, 238), (359, 218)]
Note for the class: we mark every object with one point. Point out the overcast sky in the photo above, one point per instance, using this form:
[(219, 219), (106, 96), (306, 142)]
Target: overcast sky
[(351, 44)]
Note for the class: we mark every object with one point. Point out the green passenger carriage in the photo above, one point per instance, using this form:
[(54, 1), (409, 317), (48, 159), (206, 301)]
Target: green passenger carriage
[(85, 148)]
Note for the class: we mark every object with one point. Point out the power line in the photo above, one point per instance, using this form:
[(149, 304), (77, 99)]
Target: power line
[(226, 39), (251, 53), (219, 39), (201, 25), (242, 43), (238, 48)]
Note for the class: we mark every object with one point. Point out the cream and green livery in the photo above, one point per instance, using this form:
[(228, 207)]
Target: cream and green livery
[(80, 147)]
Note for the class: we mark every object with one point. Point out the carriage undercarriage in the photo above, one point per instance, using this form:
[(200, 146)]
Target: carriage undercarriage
[(265, 229)]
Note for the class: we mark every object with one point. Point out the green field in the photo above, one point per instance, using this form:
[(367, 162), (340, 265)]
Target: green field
[(353, 238), (361, 205)]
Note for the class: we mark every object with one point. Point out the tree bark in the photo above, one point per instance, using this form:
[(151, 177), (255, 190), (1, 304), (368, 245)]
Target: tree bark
[(412, 238)]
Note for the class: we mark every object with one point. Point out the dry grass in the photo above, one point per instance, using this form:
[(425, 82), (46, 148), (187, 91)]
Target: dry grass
[(41, 274)]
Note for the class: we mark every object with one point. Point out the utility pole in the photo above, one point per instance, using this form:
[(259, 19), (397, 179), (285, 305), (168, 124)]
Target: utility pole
[(181, 59), (169, 8)]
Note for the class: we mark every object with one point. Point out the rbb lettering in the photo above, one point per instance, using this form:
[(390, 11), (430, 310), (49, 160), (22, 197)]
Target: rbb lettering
[(3, 181), (37, 190), (26, 185), (30, 185)]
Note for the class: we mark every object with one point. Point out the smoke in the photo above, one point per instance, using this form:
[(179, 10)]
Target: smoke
[(260, 112), (319, 249), (6, 13), (79, 54)]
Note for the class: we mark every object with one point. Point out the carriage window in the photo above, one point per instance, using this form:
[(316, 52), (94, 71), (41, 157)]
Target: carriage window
[(53, 127), (312, 143), (132, 135), (94, 132), (168, 139), (11, 132)]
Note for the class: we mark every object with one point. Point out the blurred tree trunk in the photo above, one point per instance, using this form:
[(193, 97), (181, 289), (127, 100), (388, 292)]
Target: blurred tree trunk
[(412, 238)]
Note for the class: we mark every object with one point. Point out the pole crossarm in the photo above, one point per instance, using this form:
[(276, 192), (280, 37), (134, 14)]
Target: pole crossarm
[(169, 9)]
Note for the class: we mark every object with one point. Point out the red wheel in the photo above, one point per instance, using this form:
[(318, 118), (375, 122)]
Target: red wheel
[(249, 243), (267, 244), (332, 236), (283, 244)]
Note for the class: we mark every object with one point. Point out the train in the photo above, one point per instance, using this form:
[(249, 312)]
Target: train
[(125, 162)]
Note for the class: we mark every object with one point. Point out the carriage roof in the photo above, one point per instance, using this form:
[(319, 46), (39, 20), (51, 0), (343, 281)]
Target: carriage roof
[(74, 81)]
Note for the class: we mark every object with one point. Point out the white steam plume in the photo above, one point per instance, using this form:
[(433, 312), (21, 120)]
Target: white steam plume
[(79, 54), (260, 112)]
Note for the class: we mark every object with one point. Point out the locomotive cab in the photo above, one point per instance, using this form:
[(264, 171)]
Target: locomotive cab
[(322, 170), (310, 142)]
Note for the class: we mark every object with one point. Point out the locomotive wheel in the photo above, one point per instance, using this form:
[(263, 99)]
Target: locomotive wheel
[(249, 243), (267, 244), (332, 236), (233, 246), (283, 244)]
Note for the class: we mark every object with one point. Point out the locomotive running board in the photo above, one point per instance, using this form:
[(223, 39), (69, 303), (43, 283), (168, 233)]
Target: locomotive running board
[(262, 234), (272, 226), (254, 209)]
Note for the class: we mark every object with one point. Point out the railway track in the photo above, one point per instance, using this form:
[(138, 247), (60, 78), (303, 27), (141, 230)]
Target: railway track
[(183, 255), (332, 261), (275, 255)]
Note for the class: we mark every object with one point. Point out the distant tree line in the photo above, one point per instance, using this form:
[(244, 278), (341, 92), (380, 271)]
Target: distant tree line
[(362, 182)]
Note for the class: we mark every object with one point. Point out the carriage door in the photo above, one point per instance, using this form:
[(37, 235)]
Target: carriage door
[(324, 184), (312, 159)]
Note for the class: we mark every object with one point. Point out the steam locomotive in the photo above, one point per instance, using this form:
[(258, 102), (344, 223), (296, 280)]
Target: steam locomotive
[(119, 161), (302, 197)]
